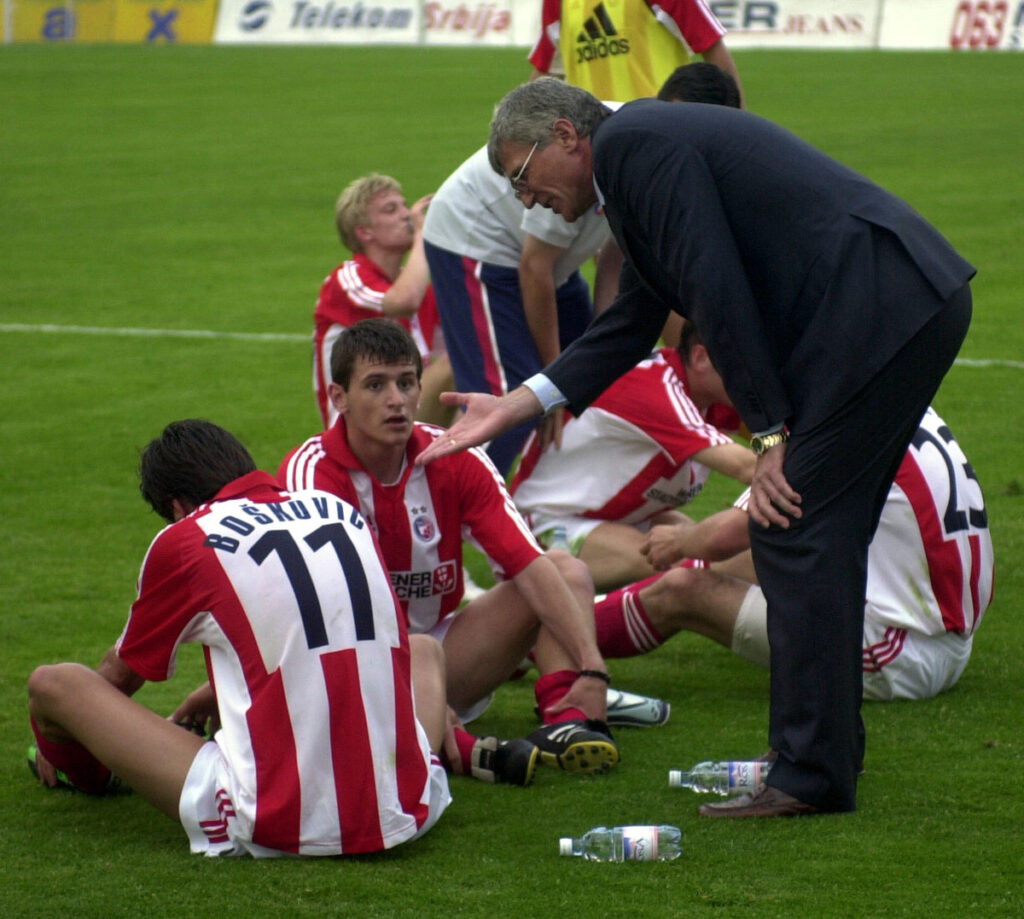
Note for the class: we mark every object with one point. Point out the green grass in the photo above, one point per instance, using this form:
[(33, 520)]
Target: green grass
[(192, 188)]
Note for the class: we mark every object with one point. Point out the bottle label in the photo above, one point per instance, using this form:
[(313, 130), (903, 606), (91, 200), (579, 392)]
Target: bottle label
[(639, 843), (744, 776)]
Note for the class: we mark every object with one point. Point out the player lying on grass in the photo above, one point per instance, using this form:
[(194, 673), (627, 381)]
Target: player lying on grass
[(421, 516), (930, 574), (322, 695)]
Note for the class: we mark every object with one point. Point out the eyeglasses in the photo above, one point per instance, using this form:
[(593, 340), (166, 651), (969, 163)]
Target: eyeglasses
[(519, 179)]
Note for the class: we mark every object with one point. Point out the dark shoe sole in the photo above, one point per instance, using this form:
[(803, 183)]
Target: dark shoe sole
[(584, 757)]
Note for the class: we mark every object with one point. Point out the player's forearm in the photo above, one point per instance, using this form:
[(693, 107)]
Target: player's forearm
[(541, 313), (118, 673), (733, 460), (550, 597), (537, 290), (718, 54), (717, 537), (404, 297)]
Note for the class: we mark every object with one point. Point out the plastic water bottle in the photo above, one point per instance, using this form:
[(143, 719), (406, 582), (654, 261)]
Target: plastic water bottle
[(727, 778), (624, 844), (559, 539)]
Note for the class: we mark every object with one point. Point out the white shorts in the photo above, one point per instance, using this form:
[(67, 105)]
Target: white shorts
[(897, 663), (900, 664), (439, 630), (208, 815), (577, 529)]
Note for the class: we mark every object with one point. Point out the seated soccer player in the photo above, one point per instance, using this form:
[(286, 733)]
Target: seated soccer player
[(930, 574), (386, 276), (640, 451), (317, 679), (421, 515)]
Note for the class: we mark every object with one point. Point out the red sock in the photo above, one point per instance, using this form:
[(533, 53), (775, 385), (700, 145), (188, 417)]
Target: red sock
[(548, 689), (82, 769), (623, 628), (459, 763)]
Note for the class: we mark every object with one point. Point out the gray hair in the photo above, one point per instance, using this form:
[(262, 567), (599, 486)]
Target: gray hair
[(526, 115)]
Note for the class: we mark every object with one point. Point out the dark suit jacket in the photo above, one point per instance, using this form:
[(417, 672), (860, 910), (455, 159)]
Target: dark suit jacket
[(767, 245)]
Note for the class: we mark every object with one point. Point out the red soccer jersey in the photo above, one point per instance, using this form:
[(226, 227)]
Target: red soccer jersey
[(422, 519), (627, 457), (309, 655), (354, 291)]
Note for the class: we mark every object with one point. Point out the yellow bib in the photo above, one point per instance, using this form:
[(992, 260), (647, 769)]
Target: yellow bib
[(617, 49)]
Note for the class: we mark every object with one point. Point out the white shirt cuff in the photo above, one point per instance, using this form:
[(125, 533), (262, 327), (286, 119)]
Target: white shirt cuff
[(547, 393)]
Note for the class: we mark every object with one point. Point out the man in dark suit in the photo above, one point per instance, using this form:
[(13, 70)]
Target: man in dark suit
[(832, 311)]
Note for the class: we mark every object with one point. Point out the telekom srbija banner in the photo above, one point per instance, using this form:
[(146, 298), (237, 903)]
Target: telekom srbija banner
[(449, 22), (820, 24)]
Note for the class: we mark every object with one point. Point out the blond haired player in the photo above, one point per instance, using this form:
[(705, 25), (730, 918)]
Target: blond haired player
[(386, 276)]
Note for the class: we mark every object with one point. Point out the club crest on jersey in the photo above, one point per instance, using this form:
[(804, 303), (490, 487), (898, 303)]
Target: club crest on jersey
[(424, 528), (444, 578)]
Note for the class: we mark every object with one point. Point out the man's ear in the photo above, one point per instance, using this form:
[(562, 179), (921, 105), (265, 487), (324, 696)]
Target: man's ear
[(337, 396), (363, 233), (181, 509), (700, 361), (565, 134)]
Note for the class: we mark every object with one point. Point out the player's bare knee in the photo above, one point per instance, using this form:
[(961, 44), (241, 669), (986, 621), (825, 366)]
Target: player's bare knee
[(668, 600), (575, 573), (48, 685)]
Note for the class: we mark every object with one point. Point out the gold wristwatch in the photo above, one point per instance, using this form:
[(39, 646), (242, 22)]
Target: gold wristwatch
[(761, 442)]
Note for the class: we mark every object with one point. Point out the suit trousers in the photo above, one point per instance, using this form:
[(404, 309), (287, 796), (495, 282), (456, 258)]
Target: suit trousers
[(488, 338), (814, 572)]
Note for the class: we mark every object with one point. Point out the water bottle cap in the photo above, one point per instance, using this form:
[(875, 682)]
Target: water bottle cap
[(565, 846), (675, 778)]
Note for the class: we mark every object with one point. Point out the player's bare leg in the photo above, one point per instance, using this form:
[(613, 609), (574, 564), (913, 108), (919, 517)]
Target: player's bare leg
[(695, 600), (428, 687), (486, 642), (71, 702), (612, 553)]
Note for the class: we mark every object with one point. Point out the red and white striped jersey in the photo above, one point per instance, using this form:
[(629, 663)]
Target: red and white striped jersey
[(627, 457), (422, 519), (308, 652), (354, 291), (930, 563)]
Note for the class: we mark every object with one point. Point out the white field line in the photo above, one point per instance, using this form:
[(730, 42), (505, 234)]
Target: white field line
[(291, 336), (153, 333)]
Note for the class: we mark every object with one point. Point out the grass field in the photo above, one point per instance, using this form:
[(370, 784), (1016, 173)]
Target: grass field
[(191, 188)]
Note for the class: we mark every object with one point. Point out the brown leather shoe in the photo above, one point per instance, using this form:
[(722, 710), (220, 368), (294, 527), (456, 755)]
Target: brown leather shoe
[(763, 801)]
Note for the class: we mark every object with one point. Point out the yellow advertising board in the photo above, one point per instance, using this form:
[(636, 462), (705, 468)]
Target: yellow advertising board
[(57, 21), (160, 21), (137, 21)]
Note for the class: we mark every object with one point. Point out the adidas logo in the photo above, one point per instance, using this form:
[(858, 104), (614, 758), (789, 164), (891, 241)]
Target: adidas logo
[(599, 38)]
